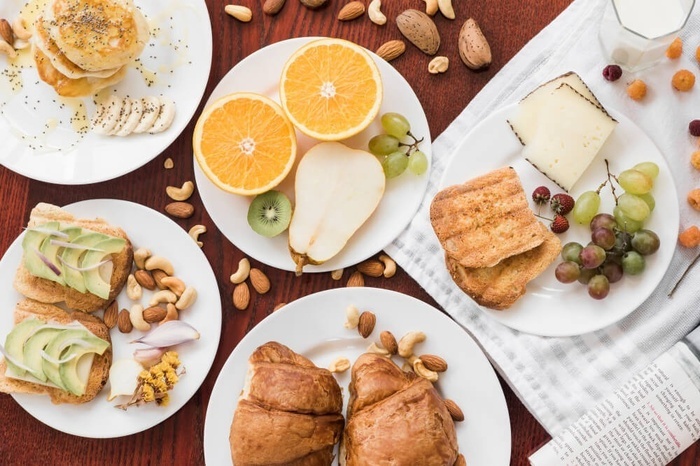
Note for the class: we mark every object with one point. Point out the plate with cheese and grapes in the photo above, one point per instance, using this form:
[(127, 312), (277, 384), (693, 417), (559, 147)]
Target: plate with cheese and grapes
[(593, 177)]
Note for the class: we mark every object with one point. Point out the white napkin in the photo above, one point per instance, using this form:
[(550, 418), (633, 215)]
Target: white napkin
[(559, 379)]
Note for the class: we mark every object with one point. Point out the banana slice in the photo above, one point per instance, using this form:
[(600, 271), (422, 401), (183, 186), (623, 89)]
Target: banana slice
[(133, 119), (123, 116), (165, 116), (107, 115), (151, 109)]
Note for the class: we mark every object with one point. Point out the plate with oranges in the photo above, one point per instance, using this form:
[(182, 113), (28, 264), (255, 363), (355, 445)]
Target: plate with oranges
[(266, 114)]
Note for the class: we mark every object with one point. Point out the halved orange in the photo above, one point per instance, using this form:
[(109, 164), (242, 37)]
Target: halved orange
[(245, 143), (331, 89)]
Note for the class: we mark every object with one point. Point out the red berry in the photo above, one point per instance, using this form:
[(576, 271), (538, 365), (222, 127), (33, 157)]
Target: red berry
[(694, 128), (562, 203), (560, 224), (541, 195), (612, 72)]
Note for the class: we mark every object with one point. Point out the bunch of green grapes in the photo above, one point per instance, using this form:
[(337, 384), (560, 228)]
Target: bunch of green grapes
[(389, 147)]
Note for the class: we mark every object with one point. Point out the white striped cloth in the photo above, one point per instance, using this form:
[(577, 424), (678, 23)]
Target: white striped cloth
[(559, 379)]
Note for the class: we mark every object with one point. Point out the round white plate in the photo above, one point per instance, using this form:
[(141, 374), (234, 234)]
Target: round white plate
[(39, 140), (313, 327), (260, 73), (551, 308), (145, 228)]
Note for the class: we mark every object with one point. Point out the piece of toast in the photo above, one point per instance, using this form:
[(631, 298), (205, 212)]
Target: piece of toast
[(47, 291), (99, 372), (500, 286), (485, 220)]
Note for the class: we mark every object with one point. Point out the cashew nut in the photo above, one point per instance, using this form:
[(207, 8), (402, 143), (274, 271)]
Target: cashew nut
[(195, 231), (375, 14), (140, 256), (389, 265), (446, 9), (406, 367), (242, 273), (340, 364), (422, 371), (159, 262), (352, 317), (337, 274), (180, 194), (171, 314), (7, 49), (133, 289), (240, 12), (162, 296), (19, 29), (189, 296), (136, 318), (174, 284), (431, 7), (407, 343), (376, 349)]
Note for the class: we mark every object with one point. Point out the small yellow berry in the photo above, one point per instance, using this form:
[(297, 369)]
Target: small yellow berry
[(675, 50), (637, 89), (695, 159), (683, 80)]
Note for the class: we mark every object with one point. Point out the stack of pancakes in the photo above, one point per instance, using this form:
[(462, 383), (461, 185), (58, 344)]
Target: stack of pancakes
[(82, 46), (494, 245)]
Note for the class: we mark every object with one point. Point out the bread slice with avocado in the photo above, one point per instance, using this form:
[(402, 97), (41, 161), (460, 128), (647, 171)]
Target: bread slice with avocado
[(65, 355), (82, 262)]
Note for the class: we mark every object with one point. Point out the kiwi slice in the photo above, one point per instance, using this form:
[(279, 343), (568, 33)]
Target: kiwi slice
[(270, 213)]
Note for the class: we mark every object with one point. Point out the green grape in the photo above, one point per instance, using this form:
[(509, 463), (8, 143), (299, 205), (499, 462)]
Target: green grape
[(649, 199), (570, 252), (635, 182), (586, 207), (650, 169), (633, 207), (625, 223), (633, 263), (418, 163), (383, 144), (395, 124), (394, 164), (645, 242)]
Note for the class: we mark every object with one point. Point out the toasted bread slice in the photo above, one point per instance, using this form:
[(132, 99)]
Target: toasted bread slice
[(485, 220), (47, 291), (500, 286), (99, 372)]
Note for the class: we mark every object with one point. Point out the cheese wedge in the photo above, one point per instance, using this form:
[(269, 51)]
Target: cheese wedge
[(570, 131), (524, 122)]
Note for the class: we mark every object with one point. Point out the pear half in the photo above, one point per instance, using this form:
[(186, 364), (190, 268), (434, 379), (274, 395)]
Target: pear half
[(336, 189)]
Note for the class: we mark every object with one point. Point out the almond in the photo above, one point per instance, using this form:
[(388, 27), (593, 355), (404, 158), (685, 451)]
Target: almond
[(124, 321), (313, 4), (6, 32), (454, 410), (144, 278), (351, 11), (111, 314), (272, 7), (372, 268), (460, 461), (158, 276), (356, 279), (389, 342), (154, 314), (434, 363), (241, 296), (391, 50), (259, 280), (180, 209), (367, 322), (474, 49), (420, 30)]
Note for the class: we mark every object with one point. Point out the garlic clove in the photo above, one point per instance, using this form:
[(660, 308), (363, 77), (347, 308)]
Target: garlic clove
[(149, 356), (171, 333), (123, 377)]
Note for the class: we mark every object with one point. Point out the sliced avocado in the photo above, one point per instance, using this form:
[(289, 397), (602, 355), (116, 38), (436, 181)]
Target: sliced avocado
[(72, 256), (31, 243), (51, 251), (33, 348), (56, 348), (94, 282), (68, 371), (17, 339)]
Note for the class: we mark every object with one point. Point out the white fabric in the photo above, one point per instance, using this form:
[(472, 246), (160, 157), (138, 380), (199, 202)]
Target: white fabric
[(558, 379)]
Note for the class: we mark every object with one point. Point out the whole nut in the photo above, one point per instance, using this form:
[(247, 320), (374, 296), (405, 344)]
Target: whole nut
[(174, 284), (356, 279), (433, 362), (375, 13), (194, 233), (133, 288), (313, 4), (168, 164), (240, 12), (366, 324), (140, 257), (438, 65), (124, 321), (352, 10), (474, 49), (111, 314), (170, 314), (180, 209), (372, 268), (137, 320), (259, 280), (6, 32), (352, 317), (272, 7), (337, 274), (145, 279), (180, 194), (454, 410), (461, 461), (389, 342), (241, 296), (154, 314), (158, 276), (159, 262), (189, 296), (391, 50), (162, 296), (389, 265), (420, 30), (339, 365)]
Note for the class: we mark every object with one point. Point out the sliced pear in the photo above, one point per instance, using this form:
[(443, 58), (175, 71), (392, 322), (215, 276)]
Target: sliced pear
[(337, 189)]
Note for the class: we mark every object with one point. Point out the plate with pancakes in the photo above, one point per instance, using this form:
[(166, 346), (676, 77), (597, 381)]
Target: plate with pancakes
[(502, 256), (98, 88)]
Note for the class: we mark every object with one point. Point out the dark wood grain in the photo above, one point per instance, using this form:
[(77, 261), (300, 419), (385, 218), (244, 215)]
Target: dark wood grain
[(508, 24)]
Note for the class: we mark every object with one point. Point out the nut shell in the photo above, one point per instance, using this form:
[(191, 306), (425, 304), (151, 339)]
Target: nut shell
[(420, 30), (474, 49)]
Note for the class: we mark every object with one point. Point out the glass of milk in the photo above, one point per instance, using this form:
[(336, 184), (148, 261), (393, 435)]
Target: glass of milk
[(635, 33)]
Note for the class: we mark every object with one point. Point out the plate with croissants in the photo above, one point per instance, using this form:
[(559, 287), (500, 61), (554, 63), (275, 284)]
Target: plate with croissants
[(357, 376)]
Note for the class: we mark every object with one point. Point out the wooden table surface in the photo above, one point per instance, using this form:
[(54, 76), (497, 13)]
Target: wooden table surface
[(508, 25)]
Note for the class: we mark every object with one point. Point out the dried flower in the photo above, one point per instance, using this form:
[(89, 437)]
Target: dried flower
[(154, 383)]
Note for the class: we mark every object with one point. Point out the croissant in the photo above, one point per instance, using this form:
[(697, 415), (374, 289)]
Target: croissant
[(289, 412), (395, 418)]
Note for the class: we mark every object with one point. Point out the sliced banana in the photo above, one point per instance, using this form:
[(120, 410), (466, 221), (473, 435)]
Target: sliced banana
[(165, 116), (107, 115), (117, 116), (123, 116), (133, 119), (151, 108)]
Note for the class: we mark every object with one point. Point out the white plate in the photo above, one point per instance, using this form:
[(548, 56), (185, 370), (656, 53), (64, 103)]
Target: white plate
[(145, 228), (551, 308), (260, 73), (39, 141), (313, 326)]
